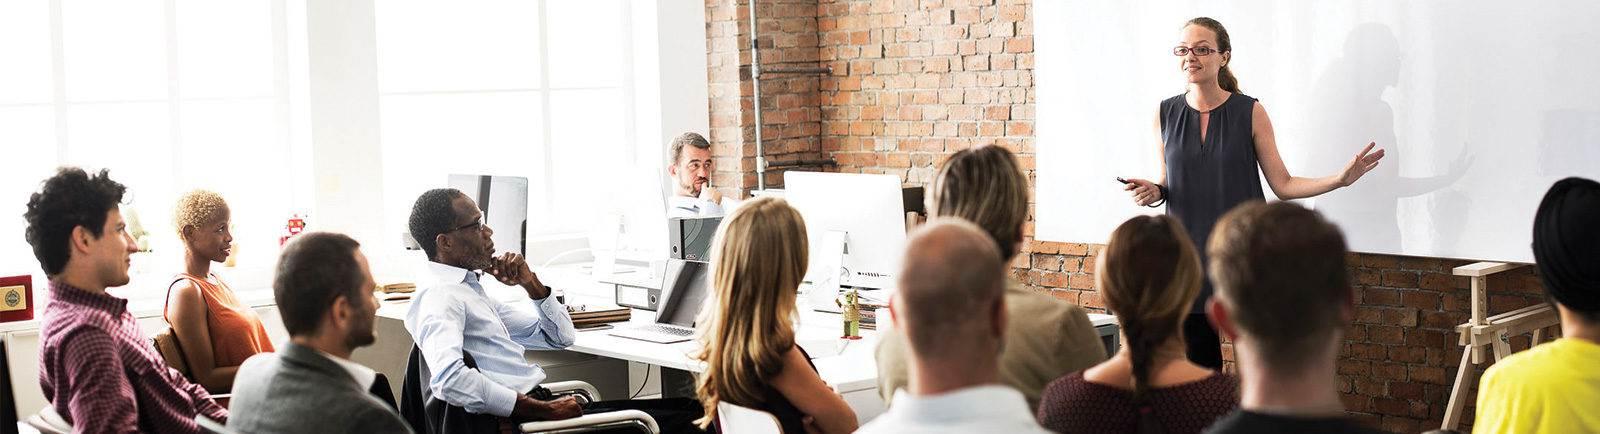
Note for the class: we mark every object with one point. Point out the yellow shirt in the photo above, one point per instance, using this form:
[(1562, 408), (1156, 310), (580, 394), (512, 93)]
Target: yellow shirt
[(1552, 388)]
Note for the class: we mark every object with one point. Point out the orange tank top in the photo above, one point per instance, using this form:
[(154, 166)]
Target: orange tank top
[(236, 330)]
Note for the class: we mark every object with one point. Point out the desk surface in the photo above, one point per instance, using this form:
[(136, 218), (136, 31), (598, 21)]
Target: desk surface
[(846, 365)]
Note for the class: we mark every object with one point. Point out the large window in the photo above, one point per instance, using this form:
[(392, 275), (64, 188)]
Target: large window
[(169, 95), (539, 89)]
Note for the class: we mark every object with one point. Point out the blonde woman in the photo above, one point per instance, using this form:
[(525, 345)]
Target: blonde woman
[(215, 330), (1149, 275), (748, 331)]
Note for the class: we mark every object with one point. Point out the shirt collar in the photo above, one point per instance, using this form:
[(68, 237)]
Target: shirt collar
[(987, 402), (63, 292), (447, 274)]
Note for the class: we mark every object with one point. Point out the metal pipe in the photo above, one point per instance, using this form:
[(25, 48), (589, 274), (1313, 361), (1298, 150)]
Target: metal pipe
[(755, 91), (804, 163), (816, 70)]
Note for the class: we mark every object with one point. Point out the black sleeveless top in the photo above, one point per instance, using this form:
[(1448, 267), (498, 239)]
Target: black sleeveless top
[(789, 417), (1206, 178)]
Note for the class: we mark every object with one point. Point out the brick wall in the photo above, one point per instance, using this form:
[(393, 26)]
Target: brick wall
[(913, 81), (790, 110)]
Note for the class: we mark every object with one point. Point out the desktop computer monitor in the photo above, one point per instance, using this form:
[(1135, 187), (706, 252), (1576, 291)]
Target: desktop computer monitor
[(867, 210), (504, 203)]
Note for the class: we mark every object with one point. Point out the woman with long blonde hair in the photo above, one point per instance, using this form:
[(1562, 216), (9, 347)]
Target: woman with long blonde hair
[(747, 332)]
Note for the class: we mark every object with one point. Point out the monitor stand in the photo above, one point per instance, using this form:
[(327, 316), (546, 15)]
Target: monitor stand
[(830, 271)]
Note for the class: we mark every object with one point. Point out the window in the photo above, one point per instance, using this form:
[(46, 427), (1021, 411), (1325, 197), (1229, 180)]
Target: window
[(168, 95), (538, 89)]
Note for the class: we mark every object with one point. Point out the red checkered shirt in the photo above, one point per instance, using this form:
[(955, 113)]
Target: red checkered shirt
[(103, 376)]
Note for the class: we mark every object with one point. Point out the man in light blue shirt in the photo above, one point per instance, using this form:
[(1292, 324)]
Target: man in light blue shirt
[(452, 315)]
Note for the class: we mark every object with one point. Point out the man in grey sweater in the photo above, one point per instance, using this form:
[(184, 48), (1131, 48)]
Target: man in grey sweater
[(323, 288)]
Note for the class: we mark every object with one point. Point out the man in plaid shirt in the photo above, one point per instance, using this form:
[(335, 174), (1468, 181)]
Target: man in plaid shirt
[(95, 365)]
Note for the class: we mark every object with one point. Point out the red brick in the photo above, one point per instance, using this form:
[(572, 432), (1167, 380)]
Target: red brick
[(1400, 279)]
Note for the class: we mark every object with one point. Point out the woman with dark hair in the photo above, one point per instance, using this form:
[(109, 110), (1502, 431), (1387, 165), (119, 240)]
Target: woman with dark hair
[(1148, 274), (1212, 140)]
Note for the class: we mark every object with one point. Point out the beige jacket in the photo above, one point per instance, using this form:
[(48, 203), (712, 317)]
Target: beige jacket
[(1045, 339)]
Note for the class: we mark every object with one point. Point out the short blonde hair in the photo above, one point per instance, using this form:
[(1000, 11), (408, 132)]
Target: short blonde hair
[(758, 260), (985, 186), (196, 208)]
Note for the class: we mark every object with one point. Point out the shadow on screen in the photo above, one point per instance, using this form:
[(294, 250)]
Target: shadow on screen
[(1350, 92)]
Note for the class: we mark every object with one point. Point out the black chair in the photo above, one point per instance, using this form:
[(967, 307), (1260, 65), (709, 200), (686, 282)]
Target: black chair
[(430, 415)]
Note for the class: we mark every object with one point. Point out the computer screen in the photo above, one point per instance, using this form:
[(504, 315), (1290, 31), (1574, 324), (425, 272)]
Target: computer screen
[(689, 283), (8, 411), (868, 209)]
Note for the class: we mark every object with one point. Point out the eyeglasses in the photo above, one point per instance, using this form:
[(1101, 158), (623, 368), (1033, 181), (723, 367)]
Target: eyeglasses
[(1181, 51), (475, 225)]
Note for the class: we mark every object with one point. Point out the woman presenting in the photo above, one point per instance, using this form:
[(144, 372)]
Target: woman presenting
[(1212, 140)]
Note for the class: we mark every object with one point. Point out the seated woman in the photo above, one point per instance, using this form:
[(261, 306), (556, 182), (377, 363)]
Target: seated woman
[(215, 330), (1149, 275), (747, 333)]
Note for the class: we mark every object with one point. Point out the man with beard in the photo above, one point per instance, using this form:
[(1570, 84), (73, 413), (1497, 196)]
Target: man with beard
[(692, 193), (323, 288)]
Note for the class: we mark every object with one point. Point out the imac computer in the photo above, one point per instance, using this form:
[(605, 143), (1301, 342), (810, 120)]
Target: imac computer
[(855, 226)]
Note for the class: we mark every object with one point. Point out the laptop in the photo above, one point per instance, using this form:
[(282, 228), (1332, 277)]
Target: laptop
[(686, 284)]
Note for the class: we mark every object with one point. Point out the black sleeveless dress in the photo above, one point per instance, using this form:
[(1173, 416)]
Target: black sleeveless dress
[(1206, 178), (789, 417)]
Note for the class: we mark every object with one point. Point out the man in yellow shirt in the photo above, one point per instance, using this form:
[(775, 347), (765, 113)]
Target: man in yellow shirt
[(1555, 387)]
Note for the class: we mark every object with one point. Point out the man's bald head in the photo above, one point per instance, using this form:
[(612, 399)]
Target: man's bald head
[(952, 281)]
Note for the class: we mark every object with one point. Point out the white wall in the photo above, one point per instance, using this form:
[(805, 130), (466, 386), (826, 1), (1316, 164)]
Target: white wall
[(1480, 105)]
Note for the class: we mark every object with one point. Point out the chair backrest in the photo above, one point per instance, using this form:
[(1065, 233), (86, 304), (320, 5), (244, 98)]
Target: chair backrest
[(744, 420), (8, 409), (171, 351), (48, 422), (212, 426)]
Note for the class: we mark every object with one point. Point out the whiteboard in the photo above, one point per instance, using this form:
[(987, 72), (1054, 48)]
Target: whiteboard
[(1480, 105)]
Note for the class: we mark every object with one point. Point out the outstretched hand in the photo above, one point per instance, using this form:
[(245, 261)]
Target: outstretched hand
[(1363, 162)]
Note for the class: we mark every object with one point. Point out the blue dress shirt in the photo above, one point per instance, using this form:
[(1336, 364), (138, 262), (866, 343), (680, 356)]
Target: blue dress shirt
[(452, 314)]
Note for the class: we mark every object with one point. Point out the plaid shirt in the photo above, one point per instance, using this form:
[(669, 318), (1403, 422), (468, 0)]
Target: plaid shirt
[(103, 376)]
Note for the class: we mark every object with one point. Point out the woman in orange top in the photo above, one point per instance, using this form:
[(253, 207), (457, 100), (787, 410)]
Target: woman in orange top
[(216, 331)]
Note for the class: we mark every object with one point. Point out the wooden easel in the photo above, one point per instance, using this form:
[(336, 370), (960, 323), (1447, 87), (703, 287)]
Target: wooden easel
[(1486, 333)]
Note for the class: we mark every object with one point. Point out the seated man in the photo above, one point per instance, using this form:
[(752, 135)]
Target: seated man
[(692, 194), (951, 306), (1284, 299), (323, 288), (95, 365), (452, 316), (1554, 387), (1046, 337)]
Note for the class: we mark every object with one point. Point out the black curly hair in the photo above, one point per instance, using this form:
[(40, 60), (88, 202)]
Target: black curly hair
[(69, 199), (434, 213)]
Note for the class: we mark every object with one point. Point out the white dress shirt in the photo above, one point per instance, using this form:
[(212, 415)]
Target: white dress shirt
[(987, 409), (690, 206), (452, 314)]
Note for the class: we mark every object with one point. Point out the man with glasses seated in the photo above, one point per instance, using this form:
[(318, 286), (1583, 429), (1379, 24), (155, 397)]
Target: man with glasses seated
[(690, 170), (452, 318)]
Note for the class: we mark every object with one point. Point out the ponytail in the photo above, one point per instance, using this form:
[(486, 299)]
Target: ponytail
[(1149, 275), (1227, 81)]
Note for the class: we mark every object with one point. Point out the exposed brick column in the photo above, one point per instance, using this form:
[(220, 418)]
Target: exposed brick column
[(791, 116)]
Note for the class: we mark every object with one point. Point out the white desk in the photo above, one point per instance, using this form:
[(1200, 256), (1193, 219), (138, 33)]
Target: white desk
[(851, 370)]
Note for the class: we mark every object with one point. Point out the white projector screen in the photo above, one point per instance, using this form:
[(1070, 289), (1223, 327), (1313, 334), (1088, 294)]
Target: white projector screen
[(1479, 104)]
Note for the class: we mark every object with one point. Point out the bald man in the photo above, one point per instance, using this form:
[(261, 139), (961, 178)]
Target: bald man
[(951, 306)]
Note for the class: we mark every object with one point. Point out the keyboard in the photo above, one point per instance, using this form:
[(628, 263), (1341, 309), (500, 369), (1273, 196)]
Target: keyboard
[(658, 333)]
